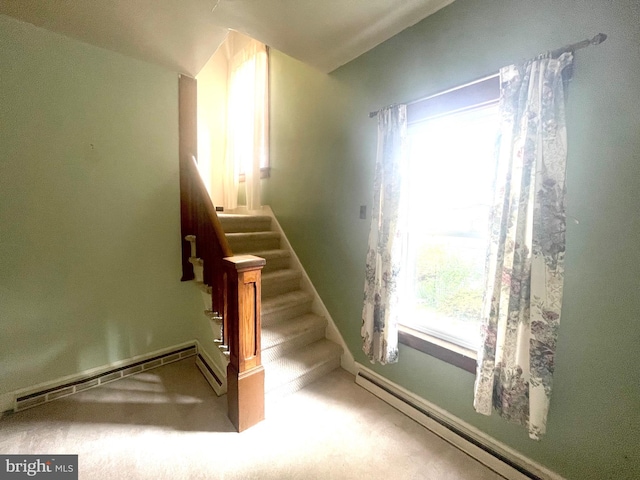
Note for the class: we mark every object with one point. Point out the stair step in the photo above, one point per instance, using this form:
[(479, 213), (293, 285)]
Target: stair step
[(295, 351), (249, 242), (291, 335), (279, 282), (276, 259), (284, 307), (234, 223), (297, 369)]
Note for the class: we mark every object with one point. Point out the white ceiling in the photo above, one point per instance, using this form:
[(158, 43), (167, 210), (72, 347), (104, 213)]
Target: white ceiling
[(183, 34)]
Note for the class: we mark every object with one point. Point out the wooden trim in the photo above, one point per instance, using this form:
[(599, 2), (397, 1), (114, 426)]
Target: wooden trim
[(188, 147), (235, 282), (210, 210), (439, 351), (245, 373), (197, 214)]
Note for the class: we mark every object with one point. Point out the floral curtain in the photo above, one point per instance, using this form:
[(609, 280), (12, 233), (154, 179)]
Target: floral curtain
[(525, 263), (386, 239)]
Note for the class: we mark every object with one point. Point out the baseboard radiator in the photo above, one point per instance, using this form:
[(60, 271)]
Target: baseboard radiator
[(63, 387), (495, 455)]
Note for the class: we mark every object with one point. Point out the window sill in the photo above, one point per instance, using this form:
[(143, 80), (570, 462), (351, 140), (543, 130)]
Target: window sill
[(440, 349)]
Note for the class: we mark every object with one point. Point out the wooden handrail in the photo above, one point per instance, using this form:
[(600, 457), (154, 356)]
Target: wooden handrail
[(197, 213), (235, 281), (206, 203), (212, 246)]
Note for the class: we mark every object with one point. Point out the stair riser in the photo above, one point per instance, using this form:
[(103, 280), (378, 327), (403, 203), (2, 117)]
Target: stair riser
[(292, 344), (274, 264), (282, 314), (277, 391), (230, 225), (270, 289), (250, 245)]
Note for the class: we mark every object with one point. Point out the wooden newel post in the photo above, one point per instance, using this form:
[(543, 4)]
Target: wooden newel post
[(245, 374)]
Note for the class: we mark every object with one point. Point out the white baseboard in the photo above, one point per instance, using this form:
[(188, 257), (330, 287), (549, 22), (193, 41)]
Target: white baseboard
[(7, 401), (68, 385), (347, 361), (494, 454)]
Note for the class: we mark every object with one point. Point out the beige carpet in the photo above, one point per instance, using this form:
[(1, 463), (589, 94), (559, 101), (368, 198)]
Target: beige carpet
[(168, 424)]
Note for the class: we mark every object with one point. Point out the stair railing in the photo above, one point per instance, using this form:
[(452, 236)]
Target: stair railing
[(200, 220), (235, 281)]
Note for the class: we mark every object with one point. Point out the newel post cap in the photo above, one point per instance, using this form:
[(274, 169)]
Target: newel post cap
[(245, 262)]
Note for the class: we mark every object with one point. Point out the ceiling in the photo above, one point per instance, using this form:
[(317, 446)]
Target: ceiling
[(183, 34)]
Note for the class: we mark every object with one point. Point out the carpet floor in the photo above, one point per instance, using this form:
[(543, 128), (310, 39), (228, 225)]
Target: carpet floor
[(167, 423)]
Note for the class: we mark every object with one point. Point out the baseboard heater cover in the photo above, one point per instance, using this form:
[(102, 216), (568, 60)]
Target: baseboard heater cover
[(214, 376), (82, 383), (498, 457), (208, 368)]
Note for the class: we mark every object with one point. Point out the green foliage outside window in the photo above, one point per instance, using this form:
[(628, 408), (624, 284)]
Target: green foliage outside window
[(449, 284)]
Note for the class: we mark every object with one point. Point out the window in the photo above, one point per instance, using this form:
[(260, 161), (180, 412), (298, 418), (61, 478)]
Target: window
[(248, 109), (451, 147), (233, 114)]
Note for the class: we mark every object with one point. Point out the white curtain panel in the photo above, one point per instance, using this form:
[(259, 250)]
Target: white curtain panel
[(246, 124)]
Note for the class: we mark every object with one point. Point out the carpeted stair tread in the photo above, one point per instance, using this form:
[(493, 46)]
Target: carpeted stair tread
[(297, 366), (295, 333), (295, 351)]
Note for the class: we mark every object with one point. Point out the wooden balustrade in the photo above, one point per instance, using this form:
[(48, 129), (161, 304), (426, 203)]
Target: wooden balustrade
[(211, 244), (235, 281)]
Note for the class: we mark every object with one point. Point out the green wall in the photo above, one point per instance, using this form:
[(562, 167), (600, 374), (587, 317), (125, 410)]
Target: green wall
[(89, 209), (322, 157)]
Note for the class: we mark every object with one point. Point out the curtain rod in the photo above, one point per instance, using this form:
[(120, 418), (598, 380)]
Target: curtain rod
[(597, 40)]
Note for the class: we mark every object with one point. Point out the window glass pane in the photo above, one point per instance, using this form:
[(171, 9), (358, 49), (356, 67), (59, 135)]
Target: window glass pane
[(451, 189)]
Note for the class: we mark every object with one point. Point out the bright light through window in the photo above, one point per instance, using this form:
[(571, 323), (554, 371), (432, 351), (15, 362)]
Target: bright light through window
[(248, 108), (451, 188)]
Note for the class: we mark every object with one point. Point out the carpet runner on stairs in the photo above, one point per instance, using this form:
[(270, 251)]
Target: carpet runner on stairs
[(295, 351)]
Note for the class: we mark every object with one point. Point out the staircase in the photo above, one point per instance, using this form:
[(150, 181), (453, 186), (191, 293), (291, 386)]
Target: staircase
[(295, 351)]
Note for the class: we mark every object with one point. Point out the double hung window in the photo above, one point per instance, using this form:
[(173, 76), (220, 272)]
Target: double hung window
[(452, 139)]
